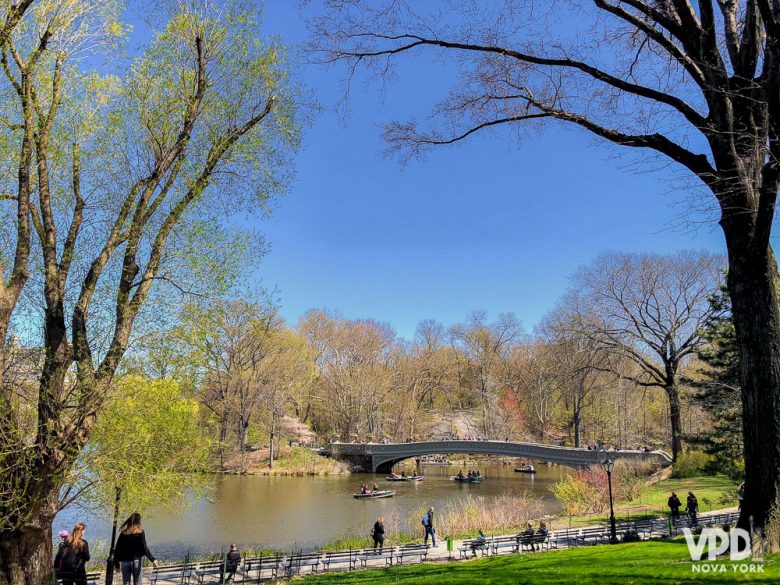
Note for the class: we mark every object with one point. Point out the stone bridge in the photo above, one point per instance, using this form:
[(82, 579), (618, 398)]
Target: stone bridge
[(380, 458)]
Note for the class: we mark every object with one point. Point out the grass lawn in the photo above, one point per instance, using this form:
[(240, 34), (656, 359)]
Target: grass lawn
[(665, 562), (713, 492)]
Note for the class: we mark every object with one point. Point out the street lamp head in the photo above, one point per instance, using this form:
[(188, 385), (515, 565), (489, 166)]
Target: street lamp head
[(609, 465)]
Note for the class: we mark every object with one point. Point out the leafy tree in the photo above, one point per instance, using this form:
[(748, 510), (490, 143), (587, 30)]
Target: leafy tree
[(695, 84), (149, 441), (107, 177), (718, 389)]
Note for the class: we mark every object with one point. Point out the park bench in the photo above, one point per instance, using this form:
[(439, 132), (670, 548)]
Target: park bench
[(564, 538), (472, 546), (92, 579), (499, 543), (368, 555), (179, 574), (296, 563), (594, 535), (348, 557), (210, 571), (264, 568), (531, 542), (411, 551), (646, 528)]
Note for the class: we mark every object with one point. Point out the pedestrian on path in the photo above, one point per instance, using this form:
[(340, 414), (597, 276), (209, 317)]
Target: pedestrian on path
[(378, 533), (70, 564), (130, 550), (427, 522), (692, 508), (674, 504)]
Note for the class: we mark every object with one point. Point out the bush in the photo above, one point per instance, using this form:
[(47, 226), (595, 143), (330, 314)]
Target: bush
[(582, 493), (690, 464), (631, 536)]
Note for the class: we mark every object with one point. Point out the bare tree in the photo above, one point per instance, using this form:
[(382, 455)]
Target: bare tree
[(483, 347), (695, 85), (649, 309), (582, 365)]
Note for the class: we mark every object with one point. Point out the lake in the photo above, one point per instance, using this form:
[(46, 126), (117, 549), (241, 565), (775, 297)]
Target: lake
[(286, 513)]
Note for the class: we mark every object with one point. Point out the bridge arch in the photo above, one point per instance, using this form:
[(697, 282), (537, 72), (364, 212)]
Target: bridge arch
[(380, 458)]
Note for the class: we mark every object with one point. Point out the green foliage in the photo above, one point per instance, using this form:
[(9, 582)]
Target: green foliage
[(578, 496), (691, 463), (718, 390), (149, 441)]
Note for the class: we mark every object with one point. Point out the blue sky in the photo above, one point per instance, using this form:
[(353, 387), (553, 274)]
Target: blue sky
[(488, 224)]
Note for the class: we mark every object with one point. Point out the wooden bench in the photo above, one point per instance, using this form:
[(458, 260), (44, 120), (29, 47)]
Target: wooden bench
[(530, 542), (208, 569), (595, 535), (348, 557), (92, 578), (265, 568), (564, 537), (472, 546), (296, 563), (412, 551), (500, 543), (180, 574), (368, 555)]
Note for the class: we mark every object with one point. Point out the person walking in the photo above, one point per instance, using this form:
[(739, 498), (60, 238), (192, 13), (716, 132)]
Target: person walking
[(674, 504), (378, 534), (70, 564), (427, 522), (232, 562), (130, 550), (692, 508)]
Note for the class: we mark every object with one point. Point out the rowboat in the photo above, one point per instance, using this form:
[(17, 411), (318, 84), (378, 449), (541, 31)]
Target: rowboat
[(525, 470), (407, 478), (376, 494), (479, 479)]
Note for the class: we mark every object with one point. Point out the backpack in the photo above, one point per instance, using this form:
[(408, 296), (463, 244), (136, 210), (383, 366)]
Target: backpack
[(68, 561), (425, 520)]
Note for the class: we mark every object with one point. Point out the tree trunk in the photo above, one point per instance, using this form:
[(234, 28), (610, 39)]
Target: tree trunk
[(271, 441), (675, 419), (752, 284), (576, 421), (26, 554)]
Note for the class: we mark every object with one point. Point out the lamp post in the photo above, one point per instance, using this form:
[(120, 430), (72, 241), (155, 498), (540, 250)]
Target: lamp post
[(110, 560), (608, 466)]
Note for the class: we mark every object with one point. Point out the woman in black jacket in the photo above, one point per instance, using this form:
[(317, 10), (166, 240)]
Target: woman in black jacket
[(70, 564), (378, 533), (130, 550)]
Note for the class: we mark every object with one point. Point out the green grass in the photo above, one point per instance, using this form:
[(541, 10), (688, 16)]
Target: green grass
[(713, 492), (645, 563)]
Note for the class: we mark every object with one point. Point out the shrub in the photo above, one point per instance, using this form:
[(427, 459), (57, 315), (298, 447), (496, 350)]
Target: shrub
[(690, 464), (631, 536), (581, 493)]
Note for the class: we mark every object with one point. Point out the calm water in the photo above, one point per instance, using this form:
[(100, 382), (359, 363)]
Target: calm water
[(303, 512)]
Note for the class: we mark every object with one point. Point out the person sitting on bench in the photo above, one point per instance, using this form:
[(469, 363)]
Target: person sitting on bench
[(478, 542)]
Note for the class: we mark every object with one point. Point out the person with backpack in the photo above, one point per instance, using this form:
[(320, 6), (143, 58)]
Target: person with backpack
[(130, 550), (378, 533), (674, 504), (427, 522), (70, 564)]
